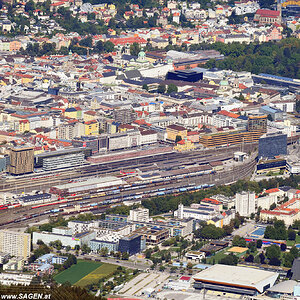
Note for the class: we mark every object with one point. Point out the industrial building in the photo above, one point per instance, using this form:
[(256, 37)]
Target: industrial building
[(65, 236), (272, 144), (233, 279), (21, 160), (86, 185)]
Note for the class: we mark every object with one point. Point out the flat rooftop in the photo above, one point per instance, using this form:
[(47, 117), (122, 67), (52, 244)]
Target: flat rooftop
[(236, 276)]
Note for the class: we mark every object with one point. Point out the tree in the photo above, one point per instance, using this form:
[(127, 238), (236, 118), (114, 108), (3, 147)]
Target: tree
[(282, 247), (272, 206), (249, 258), (230, 259), (108, 46), (291, 234), (135, 49), (99, 47), (178, 138), (259, 244), (172, 88), (161, 89), (29, 6), (68, 248), (288, 260), (239, 241), (85, 249), (273, 251), (294, 251), (125, 255), (145, 87), (189, 266), (162, 268), (262, 258)]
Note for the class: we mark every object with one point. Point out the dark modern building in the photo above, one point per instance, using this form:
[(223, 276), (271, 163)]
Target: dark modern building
[(87, 142), (131, 244), (185, 75), (272, 144), (270, 165)]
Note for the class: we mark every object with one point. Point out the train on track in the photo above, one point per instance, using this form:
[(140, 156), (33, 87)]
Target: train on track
[(113, 196)]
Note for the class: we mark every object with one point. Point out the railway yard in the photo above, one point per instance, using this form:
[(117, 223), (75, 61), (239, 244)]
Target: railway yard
[(137, 179)]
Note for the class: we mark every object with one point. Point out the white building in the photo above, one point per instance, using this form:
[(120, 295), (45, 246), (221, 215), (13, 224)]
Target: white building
[(245, 203), (139, 215), (15, 243), (203, 212), (13, 278)]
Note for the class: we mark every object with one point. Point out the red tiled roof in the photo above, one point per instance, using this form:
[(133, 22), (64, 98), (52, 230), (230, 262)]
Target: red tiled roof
[(272, 190), (268, 13)]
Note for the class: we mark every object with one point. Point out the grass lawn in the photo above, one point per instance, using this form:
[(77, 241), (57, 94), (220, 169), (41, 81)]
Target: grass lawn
[(95, 275), (292, 243), (217, 256), (76, 272)]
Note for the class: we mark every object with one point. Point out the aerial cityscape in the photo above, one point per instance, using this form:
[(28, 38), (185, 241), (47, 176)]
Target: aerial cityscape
[(150, 149)]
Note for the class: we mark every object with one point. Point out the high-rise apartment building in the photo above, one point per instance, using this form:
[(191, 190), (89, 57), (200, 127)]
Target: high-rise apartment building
[(139, 215), (21, 160), (245, 203), (15, 243)]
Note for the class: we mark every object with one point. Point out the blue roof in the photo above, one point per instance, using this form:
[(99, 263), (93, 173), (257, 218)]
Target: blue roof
[(269, 109), (276, 77)]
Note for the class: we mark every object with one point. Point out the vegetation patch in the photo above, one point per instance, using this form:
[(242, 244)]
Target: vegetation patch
[(93, 277), (77, 272)]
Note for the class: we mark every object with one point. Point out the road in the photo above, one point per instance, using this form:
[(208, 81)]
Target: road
[(119, 262)]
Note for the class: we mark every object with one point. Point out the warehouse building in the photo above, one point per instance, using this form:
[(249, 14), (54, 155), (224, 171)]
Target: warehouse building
[(86, 185), (233, 279)]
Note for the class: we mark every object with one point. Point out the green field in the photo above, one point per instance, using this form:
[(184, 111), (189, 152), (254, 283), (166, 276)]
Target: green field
[(77, 272), (93, 277), (85, 272), (292, 243)]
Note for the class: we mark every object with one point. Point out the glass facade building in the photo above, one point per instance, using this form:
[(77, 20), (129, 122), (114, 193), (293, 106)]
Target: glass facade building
[(271, 145)]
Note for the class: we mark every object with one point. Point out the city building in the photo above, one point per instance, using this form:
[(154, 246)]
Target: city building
[(233, 279), (139, 215), (202, 212), (271, 145), (15, 278), (257, 123), (267, 16), (245, 203), (21, 160), (131, 244), (276, 165), (175, 130), (65, 236), (287, 212), (124, 116), (15, 243)]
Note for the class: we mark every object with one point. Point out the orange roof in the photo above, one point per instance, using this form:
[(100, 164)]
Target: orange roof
[(272, 190)]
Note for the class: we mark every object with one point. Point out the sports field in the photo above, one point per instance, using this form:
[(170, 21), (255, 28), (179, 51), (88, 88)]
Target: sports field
[(85, 272), (93, 277)]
